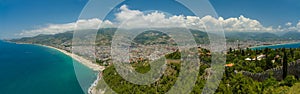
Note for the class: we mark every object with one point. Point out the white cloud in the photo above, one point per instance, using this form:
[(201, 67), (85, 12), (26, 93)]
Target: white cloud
[(60, 28), (137, 19), (297, 27), (288, 24), (292, 28), (243, 24), (127, 14)]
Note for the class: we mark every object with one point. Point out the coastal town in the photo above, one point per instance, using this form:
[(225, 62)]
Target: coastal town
[(142, 52), (150, 47), (98, 56), (139, 53)]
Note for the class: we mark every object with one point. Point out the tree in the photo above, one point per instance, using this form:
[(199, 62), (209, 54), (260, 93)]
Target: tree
[(243, 52), (230, 50), (269, 83), (243, 85), (290, 80), (268, 59), (292, 52), (284, 63)]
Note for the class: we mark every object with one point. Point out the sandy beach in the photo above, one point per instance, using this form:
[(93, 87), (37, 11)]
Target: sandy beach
[(80, 59)]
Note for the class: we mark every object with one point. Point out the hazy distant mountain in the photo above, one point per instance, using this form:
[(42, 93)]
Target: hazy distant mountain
[(105, 35), (257, 36), (292, 35), (47, 39)]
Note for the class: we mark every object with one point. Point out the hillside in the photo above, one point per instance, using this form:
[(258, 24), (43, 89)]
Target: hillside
[(105, 36)]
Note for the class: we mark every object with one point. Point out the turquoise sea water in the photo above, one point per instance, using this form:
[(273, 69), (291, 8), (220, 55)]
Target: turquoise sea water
[(291, 45), (31, 69)]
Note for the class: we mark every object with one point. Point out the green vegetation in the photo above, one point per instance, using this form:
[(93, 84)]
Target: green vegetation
[(119, 85), (232, 83), (294, 89)]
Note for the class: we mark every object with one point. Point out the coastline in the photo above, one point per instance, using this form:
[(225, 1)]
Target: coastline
[(85, 62), (80, 59), (257, 46)]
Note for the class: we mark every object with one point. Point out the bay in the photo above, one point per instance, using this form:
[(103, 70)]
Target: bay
[(289, 45), (32, 69)]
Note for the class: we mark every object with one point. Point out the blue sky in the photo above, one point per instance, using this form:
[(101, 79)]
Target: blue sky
[(19, 15), (268, 12)]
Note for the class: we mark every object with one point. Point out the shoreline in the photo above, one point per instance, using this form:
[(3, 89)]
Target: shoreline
[(258, 46), (78, 58), (83, 61), (99, 69)]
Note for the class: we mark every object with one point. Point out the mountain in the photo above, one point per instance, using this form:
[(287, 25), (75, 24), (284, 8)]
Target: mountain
[(105, 35), (292, 35), (56, 39), (255, 36)]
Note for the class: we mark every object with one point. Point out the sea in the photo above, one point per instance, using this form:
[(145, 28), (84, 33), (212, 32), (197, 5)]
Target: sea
[(289, 45), (32, 69)]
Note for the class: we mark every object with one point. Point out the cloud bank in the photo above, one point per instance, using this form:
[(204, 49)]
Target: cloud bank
[(60, 28), (128, 18)]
